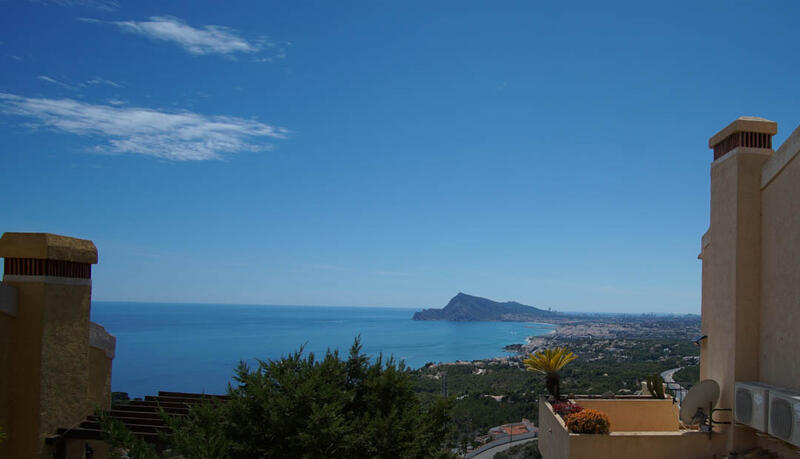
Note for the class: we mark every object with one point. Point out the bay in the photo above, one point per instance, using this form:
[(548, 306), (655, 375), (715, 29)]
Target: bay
[(196, 347)]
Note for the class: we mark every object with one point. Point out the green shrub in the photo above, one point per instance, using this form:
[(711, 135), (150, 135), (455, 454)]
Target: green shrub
[(588, 422), (689, 374), (302, 406)]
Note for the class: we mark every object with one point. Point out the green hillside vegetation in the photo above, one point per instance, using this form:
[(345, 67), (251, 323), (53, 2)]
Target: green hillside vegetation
[(596, 371), (690, 374), (361, 407)]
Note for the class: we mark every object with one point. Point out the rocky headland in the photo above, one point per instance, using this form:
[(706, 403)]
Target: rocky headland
[(468, 308)]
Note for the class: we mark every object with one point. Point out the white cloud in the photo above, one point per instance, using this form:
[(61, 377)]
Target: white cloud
[(209, 39), (97, 81), (179, 136), (55, 82)]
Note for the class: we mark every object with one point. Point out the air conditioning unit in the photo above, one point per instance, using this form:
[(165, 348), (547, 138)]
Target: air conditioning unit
[(751, 404), (784, 416)]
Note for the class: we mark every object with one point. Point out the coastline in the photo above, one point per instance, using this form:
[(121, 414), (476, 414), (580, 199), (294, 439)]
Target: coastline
[(150, 357)]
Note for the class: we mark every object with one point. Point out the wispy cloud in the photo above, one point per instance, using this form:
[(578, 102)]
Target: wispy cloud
[(208, 39), (98, 81), (179, 136), (55, 82)]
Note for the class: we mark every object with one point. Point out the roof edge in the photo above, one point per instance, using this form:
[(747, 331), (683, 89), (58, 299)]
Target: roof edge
[(47, 246), (781, 158)]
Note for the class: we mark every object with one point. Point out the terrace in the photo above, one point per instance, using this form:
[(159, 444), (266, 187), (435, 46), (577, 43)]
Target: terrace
[(640, 427)]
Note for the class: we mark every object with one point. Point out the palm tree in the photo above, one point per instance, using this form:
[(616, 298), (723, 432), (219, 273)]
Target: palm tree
[(550, 362)]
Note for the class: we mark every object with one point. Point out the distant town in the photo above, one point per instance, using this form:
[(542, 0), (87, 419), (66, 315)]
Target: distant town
[(616, 353)]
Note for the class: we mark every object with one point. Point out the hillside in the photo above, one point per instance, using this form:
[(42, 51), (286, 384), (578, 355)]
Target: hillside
[(467, 308)]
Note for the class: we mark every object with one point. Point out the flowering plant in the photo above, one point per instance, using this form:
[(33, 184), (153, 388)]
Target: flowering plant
[(588, 422), (566, 408)]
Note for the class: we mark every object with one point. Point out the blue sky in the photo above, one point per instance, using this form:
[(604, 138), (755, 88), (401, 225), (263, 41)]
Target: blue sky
[(384, 154)]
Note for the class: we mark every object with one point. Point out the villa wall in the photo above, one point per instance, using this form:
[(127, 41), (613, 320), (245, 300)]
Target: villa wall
[(645, 445), (636, 415), (6, 329), (23, 375), (731, 280), (556, 443), (780, 272), (554, 440), (101, 355), (751, 278), (65, 355)]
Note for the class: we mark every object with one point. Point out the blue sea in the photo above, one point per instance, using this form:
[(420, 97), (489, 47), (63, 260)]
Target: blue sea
[(196, 347)]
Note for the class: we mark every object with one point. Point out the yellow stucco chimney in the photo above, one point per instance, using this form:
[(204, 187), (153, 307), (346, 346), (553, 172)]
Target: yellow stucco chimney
[(55, 364)]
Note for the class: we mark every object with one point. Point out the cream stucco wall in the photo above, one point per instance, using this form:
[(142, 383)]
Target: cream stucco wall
[(646, 445), (99, 388), (780, 279), (751, 278), (636, 415), (554, 440), (731, 279)]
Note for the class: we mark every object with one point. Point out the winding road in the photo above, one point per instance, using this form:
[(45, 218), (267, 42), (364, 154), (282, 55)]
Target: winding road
[(680, 391), (489, 453)]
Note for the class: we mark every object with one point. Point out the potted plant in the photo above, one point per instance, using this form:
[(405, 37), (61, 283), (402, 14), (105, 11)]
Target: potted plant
[(564, 409), (550, 362), (588, 421)]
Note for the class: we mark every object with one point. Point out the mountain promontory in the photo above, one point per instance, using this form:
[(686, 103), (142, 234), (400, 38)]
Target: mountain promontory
[(468, 308)]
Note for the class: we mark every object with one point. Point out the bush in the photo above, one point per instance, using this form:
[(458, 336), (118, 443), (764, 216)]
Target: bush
[(564, 409), (689, 374), (588, 422), (301, 406)]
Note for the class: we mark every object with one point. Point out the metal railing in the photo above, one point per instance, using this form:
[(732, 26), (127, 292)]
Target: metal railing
[(678, 390)]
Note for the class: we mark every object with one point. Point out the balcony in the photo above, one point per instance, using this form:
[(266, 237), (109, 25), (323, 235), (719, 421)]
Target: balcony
[(641, 427)]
